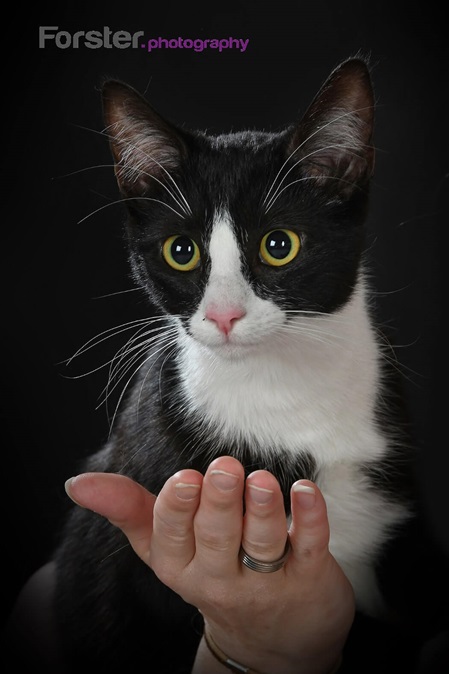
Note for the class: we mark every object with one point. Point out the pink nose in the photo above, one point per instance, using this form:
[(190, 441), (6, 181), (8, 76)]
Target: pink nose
[(224, 318)]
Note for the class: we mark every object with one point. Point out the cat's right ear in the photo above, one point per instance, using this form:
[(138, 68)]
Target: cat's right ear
[(144, 146), (333, 142)]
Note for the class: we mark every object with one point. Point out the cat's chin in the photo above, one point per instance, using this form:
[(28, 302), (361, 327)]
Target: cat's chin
[(230, 349), (235, 351)]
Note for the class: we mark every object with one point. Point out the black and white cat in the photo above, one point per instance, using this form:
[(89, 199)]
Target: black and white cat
[(261, 343)]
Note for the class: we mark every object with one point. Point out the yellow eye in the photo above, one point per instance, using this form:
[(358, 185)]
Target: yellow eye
[(181, 253), (279, 247)]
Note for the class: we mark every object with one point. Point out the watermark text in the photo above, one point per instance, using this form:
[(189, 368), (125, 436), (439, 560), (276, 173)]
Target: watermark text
[(122, 39)]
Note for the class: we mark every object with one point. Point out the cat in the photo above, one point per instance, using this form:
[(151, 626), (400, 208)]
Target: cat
[(261, 343)]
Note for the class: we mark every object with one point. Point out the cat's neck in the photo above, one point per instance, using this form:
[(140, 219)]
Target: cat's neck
[(296, 391)]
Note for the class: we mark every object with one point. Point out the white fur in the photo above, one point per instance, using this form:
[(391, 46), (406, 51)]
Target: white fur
[(309, 384)]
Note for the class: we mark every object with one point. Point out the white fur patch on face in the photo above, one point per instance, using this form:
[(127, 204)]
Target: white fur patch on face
[(230, 315)]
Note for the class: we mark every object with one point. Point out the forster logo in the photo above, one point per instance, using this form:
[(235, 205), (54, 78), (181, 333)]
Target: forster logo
[(51, 36), (92, 39)]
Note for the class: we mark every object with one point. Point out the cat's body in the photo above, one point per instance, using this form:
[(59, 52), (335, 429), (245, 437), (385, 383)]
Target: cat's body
[(267, 351)]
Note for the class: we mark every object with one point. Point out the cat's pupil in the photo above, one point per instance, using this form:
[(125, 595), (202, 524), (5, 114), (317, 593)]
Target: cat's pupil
[(182, 250), (278, 244)]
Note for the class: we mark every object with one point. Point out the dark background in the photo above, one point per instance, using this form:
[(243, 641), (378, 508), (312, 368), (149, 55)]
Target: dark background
[(57, 265)]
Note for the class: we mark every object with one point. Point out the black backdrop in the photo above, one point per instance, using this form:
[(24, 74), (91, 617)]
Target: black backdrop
[(58, 266)]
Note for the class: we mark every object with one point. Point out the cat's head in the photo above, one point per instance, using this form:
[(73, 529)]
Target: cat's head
[(235, 233)]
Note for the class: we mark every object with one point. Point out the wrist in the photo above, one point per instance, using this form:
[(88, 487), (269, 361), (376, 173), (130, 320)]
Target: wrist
[(223, 658), (269, 663)]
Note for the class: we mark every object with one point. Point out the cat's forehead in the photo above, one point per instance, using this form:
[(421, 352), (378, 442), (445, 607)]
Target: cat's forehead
[(231, 165), (247, 140)]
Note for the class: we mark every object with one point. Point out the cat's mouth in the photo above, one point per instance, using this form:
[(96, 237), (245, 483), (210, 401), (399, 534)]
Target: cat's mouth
[(230, 344), (232, 320), (238, 341)]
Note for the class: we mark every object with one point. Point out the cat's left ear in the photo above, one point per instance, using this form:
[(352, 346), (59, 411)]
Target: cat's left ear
[(333, 142), (145, 147)]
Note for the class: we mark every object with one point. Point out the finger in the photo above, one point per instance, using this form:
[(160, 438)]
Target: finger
[(218, 521), (265, 522), (122, 501), (173, 542), (309, 531)]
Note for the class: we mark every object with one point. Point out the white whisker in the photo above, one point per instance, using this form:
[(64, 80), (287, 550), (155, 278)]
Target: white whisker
[(314, 315), (110, 362), (130, 146), (278, 189), (82, 170), (320, 129), (123, 199), (113, 332), (171, 343), (121, 369), (125, 388), (185, 208), (118, 292), (315, 334)]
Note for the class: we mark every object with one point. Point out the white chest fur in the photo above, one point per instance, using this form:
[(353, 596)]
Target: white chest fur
[(304, 398)]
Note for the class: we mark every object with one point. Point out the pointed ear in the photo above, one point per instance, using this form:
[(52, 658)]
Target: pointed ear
[(333, 142), (145, 147)]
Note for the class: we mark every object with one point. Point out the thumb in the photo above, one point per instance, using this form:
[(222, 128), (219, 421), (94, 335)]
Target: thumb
[(125, 503)]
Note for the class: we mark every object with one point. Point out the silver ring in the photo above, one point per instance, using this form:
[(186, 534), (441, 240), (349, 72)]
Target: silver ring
[(264, 567)]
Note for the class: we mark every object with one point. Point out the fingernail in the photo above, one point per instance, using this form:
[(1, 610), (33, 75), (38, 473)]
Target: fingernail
[(67, 486), (187, 492), (305, 495), (223, 480), (260, 495)]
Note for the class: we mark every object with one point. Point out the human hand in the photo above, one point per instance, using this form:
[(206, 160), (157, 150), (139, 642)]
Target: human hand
[(293, 620)]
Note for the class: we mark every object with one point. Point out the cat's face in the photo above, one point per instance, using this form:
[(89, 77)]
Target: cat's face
[(236, 234), (237, 309)]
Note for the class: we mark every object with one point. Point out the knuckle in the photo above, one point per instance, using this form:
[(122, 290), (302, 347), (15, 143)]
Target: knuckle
[(263, 550), (170, 528), (213, 541)]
